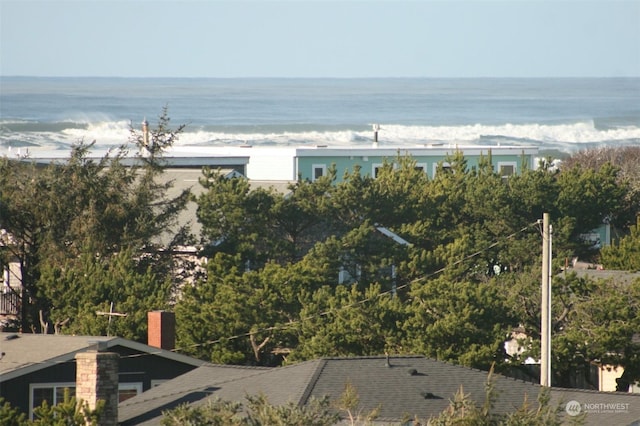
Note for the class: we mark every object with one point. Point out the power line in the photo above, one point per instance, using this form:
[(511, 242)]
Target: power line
[(362, 301), (330, 311)]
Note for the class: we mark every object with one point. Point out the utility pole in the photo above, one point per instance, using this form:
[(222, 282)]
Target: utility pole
[(145, 133), (376, 129), (545, 319)]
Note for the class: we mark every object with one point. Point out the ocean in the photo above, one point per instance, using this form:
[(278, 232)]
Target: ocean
[(557, 115)]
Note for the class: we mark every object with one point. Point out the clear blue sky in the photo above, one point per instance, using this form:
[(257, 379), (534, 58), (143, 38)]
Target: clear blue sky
[(348, 38)]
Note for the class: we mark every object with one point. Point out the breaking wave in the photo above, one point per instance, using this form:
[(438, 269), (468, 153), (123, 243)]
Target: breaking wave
[(565, 137)]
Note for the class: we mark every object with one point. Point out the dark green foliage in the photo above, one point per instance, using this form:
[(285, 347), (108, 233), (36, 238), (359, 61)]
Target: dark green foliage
[(463, 322), (234, 218), (254, 307), (593, 321), (624, 254), (89, 284), (469, 276), (346, 321), (72, 223), (308, 273), (589, 197)]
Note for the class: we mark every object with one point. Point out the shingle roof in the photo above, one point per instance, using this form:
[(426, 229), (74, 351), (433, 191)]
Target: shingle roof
[(196, 385), (414, 385), (602, 408), (26, 352), (408, 385)]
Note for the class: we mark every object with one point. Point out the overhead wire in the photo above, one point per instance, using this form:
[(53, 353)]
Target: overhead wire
[(325, 313), (291, 324)]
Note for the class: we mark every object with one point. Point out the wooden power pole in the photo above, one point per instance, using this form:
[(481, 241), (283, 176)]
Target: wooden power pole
[(545, 319)]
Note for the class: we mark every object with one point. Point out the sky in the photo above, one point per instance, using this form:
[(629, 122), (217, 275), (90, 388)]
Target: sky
[(299, 38)]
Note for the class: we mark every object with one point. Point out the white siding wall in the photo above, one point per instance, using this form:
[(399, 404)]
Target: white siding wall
[(271, 164)]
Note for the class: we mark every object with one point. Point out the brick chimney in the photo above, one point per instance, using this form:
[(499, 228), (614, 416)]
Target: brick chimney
[(162, 329), (97, 379)]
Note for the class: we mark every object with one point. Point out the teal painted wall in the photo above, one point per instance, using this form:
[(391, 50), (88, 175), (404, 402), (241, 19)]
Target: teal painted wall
[(347, 163)]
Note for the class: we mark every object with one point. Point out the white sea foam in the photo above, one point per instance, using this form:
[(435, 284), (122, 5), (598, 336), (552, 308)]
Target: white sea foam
[(566, 137), (566, 114), (582, 132), (103, 132)]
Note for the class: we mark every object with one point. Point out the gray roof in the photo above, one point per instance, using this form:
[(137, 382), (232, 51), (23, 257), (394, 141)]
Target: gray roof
[(411, 385), (176, 156), (23, 353), (192, 387), (601, 408), (622, 277), (279, 186)]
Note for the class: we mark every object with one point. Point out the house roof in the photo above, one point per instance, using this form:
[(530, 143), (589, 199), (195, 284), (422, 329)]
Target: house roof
[(24, 353), (409, 385), (429, 149), (601, 408), (623, 277), (176, 156), (279, 186), (192, 387)]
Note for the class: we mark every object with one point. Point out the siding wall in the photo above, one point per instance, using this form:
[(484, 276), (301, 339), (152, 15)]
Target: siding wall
[(368, 162)]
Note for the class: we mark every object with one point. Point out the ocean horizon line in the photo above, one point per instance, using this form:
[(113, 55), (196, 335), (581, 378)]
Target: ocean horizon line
[(621, 77)]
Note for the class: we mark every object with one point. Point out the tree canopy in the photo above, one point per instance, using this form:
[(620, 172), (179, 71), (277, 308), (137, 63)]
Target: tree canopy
[(308, 273), (446, 266), (85, 234)]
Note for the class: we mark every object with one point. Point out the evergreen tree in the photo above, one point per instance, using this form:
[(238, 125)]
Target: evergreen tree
[(461, 322), (81, 287), (58, 216), (10, 415), (346, 321), (625, 253), (469, 277)]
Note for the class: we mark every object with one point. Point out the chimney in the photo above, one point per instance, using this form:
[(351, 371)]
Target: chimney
[(97, 379), (162, 330)]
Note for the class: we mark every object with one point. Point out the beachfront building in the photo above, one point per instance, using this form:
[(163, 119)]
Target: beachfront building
[(280, 166), (312, 162), (309, 162)]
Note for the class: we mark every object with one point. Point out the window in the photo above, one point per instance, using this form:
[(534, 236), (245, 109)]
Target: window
[(319, 170), (53, 393), (128, 390), (422, 167), (343, 276), (375, 169), (441, 167), (506, 169), (346, 276)]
